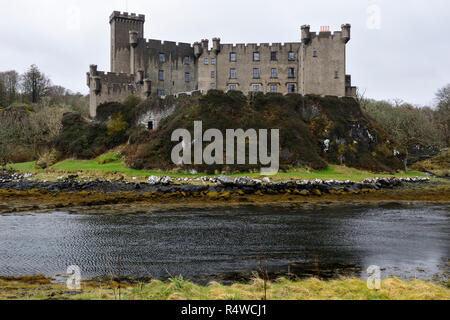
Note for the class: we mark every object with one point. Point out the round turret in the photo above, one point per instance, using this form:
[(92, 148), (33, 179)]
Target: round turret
[(205, 44), (134, 38), (346, 32), (93, 70), (197, 49), (306, 34), (216, 45)]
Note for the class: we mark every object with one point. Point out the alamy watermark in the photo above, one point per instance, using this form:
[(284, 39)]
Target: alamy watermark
[(73, 21), (374, 17), (257, 141), (74, 278), (374, 279)]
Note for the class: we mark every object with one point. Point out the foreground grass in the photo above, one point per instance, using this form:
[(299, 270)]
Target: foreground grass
[(110, 164), (179, 289)]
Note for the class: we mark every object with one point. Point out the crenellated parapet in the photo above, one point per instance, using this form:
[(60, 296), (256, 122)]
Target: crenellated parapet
[(122, 16), (325, 33), (250, 47)]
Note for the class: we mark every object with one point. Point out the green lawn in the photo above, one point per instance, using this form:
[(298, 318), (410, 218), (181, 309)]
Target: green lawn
[(110, 163)]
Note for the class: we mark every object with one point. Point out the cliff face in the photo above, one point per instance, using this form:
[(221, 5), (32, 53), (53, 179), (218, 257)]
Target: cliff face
[(314, 131)]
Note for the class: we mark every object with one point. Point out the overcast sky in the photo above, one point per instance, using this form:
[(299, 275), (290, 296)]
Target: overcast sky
[(399, 49)]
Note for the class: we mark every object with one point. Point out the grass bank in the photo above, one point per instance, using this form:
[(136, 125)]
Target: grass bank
[(110, 165), (39, 288), (438, 165)]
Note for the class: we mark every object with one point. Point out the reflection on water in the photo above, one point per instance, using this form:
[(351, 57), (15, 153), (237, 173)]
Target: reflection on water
[(405, 241)]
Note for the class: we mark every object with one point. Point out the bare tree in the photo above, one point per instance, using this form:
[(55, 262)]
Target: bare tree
[(443, 112), (3, 94), (57, 94), (13, 123), (10, 81), (35, 84)]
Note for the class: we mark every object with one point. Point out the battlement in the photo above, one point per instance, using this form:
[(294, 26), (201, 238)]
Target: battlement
[(117, 15), (113, 77), (325, 33), (110, 77), (256, 46), (153, 43)]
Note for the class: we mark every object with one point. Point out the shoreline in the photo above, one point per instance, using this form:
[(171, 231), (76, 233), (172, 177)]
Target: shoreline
[(18, 194)]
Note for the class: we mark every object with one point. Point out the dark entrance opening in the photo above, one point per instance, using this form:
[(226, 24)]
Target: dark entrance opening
[(150, 125)]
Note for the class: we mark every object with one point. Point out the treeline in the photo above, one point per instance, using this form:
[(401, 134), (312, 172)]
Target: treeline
[(34, 87), (422, 130), (31, 110)]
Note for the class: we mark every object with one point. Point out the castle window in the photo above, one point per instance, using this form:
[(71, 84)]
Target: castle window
[(213, 61), (161, 75), (206, 61), (315, 53), (233, 57), (291, 88), (291, 73), (187, 77), (233, 74), (291, 56), (233, 87), (213, 85), (256, 88), (256, 73), (273, 56), (336, 75), (213, 74), (255, 56), (160, 93), (150, 125), (274, 73), (273, 89), (162, 57), (187, 60)]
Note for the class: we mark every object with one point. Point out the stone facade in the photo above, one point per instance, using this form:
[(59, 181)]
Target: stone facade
[(316, 65)]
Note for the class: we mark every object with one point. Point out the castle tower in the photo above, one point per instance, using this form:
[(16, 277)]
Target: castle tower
[(323, 62), (125, 28)]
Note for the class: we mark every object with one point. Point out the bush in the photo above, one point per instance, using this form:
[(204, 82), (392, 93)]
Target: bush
[(116, 124), (49, 159), (84, 140)]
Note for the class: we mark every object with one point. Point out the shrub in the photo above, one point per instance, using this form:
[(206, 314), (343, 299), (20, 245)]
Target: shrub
[(116, 124)]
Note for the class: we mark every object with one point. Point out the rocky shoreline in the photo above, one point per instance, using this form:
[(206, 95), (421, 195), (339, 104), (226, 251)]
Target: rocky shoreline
[(22, 193), (168, 185)]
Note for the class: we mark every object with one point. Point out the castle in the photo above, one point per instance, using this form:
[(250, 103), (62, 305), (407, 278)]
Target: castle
[(316, 65)]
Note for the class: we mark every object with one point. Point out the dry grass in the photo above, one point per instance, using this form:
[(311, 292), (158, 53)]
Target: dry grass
[(281, 289), (439, 165)]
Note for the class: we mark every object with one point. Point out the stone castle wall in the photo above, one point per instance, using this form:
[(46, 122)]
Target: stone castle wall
[(245, 78)]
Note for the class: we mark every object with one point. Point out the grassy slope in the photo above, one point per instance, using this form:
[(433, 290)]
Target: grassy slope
[(282, 289), (118, 166), (439, 165)]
